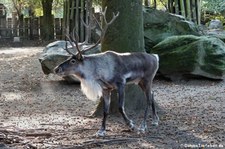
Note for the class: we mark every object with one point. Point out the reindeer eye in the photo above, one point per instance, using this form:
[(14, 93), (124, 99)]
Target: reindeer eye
[(72, 61)]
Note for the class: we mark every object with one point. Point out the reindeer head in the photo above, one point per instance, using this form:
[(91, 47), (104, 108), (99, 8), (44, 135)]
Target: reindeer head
[(68, 67), (73, 64)]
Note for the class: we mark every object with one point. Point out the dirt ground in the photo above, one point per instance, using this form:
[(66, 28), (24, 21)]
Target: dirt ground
[(38, 111)]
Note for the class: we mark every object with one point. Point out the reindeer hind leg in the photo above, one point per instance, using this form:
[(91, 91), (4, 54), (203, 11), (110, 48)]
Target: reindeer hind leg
[(146, 87), (143, 126), (155, 119)]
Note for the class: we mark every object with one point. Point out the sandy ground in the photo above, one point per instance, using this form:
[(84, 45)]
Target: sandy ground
[(38, 111)]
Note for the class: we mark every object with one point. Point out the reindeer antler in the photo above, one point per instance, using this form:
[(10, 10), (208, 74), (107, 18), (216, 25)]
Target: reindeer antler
[(75, 37), (66, 48), (103, 30), (110, 22)]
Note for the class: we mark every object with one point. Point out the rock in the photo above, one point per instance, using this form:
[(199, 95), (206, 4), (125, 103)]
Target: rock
[(190, 55), (217, 33), (3, 146), (52, 55), (216, 24), (159, 25), (55, 53)]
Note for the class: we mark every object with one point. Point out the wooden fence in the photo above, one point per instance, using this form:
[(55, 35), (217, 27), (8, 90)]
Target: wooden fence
[(29, 28), (190, 9)]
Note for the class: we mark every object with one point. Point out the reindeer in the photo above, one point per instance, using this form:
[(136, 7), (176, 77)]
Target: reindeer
[(101, 73)]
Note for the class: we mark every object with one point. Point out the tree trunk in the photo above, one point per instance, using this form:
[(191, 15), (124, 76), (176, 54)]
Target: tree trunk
[(147, 3), (126, 34), (47, 23)]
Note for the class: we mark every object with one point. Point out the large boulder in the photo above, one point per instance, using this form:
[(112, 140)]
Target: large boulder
[(190, 55), (55, 53), (52, 55), (216, 33), (215, 24), (159, 25)]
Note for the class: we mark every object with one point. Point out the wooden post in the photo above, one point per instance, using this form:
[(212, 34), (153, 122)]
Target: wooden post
[(77, 14), (26, 27), (82, 9), (74, 11), (35, 30), (57, 28), (88, 20), (183, 13), (170, 6), (177, 10), (14, 23), (199, 12), (188, 5), (194, 10), (66, 17)]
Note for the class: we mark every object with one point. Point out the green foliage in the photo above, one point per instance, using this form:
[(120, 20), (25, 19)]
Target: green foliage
[(7, 4), (212, 10), (214, 6), (32, 7), (97, 2), (159, 4)]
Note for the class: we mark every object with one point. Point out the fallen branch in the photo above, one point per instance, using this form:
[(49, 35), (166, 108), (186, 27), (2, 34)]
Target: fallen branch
[(46, 134), (30, 146), (92, 143), (110, 141)]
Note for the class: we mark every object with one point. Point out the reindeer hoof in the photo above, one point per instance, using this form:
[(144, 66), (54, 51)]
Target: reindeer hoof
[(101, 133), (131, 126), (155, 121), (142, 128)]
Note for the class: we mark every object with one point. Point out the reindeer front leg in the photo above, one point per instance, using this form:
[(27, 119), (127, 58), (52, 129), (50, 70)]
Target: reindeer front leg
[(106, 97), (121, 106)]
